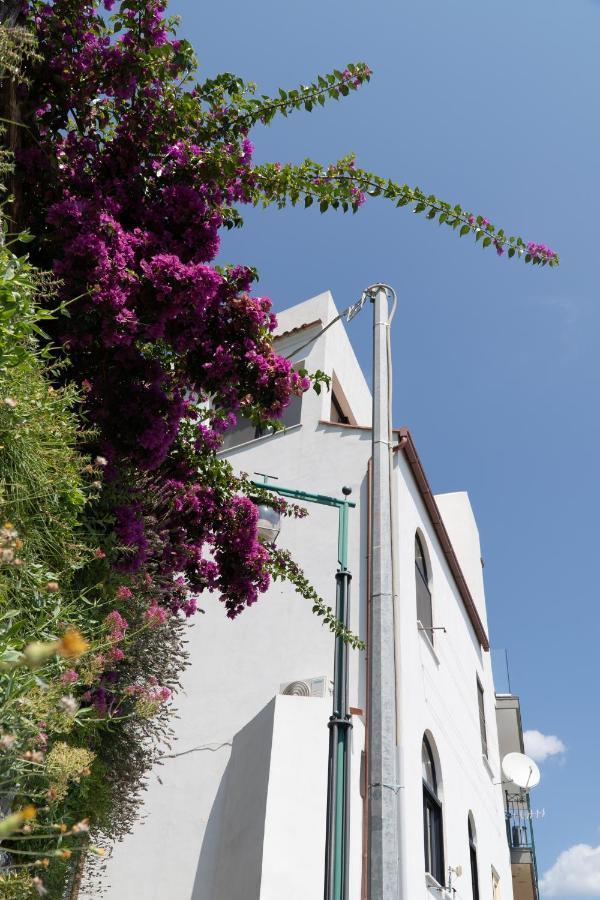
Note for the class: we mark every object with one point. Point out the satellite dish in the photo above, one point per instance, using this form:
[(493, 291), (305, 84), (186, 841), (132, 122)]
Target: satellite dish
[(521, 770)]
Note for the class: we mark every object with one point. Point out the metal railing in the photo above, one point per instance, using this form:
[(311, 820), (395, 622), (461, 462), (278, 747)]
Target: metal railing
[(519, 828)]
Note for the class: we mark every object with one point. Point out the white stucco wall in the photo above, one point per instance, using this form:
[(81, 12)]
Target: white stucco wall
[(332, 353), (439, 696), (182, 851), (461, 526), (273, 824)]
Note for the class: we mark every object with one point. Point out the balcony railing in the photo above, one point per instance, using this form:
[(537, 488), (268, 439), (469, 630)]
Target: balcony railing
[(519, 830), (518, 822)]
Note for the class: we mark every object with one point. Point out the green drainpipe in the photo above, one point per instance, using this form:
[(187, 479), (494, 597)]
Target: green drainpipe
[(338, 775)]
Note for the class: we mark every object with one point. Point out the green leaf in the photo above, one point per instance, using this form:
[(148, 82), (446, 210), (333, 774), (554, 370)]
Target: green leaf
[(9, 613), (12, 657), (464, 230)]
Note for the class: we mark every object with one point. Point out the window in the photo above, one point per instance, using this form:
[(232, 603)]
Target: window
[(432, 816), (244, 430), (481, 702), (424, 611), (473, 858), (339, 411), (337, 414)]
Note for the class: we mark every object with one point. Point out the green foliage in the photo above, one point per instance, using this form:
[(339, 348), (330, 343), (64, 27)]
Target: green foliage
[(16, 886), (44, 486), (72, 763), (18, 48), (241, 109), (20, 315), (342, 186)]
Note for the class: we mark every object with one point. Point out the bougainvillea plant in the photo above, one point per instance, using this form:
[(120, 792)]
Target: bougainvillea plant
[(130, 170)]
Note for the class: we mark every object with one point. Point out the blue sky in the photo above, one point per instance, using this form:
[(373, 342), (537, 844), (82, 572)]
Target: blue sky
[(496, 107)]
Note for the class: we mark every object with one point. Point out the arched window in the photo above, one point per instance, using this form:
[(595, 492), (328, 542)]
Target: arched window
[(473, 857), (432, 816), (422, 578)]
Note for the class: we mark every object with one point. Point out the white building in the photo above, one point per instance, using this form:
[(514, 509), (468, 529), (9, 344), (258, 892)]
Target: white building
[(238, 810)]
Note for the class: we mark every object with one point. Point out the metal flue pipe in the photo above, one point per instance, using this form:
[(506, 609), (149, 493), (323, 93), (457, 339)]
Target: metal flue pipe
[(383, 878)]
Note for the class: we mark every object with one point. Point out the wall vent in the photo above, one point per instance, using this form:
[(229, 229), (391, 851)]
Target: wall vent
[(309, 687)]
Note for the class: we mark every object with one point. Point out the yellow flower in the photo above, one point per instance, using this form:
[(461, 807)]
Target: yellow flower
[(14, 821), (72, 644), (63, 854)]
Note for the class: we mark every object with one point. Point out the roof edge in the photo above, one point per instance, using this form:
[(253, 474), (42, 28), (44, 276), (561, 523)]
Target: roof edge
[(407, 445), (277, 335)]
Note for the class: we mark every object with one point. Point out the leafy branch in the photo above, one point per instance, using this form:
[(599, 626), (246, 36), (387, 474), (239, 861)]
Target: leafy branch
[(281, 567), (344, 186), (233, 109)]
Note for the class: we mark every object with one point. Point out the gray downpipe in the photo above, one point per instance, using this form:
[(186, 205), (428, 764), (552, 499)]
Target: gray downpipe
[(383, 876)]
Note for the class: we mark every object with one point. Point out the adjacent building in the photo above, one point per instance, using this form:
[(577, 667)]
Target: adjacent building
[(517, 806), (237, 811)]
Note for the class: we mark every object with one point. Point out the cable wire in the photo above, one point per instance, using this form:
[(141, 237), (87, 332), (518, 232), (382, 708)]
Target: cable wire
[(349, 312)]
